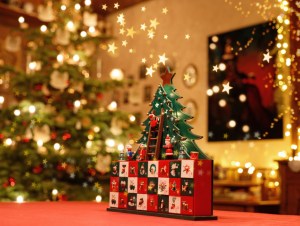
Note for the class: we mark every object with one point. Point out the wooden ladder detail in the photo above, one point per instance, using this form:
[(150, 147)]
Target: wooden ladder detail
[(155, 137)]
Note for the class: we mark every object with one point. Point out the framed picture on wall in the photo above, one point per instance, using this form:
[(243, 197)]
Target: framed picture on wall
[(249, 111)]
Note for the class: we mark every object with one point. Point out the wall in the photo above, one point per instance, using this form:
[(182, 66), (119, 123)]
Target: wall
[(200, 19)]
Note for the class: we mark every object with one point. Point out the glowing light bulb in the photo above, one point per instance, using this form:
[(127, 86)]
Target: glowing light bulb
[(63, 7), (222, 67), (215, 39), (31, 109), (259, 175), (132, 118), (232, 123), (56, 146), (54, 191), (60, 58), (92, 29), (43, 28), (245, 128), (71, 26), (17, 112), (242, 97), (98, 198), (87, 2), (8, 141), (222, 103), (112, 106), (32, 65), (215, 89), (20, 199), (83, 34), (212, 46), (116, 74), (96, 129), (120, 147), (40, 143), (2, 99), (77, 6), (76, 58), (110, 142), (248, 165), (77, 103), (240, 170), (209, 92), (21, 19)]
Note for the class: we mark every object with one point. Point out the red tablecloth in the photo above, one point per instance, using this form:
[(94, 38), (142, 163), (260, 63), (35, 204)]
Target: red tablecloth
[(95, 214)]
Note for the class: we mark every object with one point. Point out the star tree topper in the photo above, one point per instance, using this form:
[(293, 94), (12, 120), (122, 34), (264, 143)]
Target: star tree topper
[(167, 77)]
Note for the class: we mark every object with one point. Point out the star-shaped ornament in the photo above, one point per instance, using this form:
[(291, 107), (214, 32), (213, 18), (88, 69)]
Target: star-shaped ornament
[(143, 27), (226, 88), (267, 57), (187, 36), (155, 66), (130, 32), (124, 43), (187, 77), (154, 23), (121, 19), (116, 5), (164, 10), (144, 60), (104, 7), (151, 34), (149, 71), (157, 105), (215, 68), (112, 48), (122, 31), (165, 36), (162, 59), (143, 8), (167, 77)]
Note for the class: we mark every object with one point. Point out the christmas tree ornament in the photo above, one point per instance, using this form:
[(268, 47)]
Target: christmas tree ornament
[(46, 13), (12, 43), (59, 80)]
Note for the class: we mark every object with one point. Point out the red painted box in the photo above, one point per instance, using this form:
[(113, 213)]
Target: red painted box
[(163, 168), (174, 186), (187, 205), (123, 200), (152, 203)]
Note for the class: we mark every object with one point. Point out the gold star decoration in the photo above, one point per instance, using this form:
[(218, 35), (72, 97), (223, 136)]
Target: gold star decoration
[(226, 88), (149, 71), (104, 7), (187, 36), (267, 57), (187, 77), (143, 27), (155, 66), (143, 8), (116, 5), (164, 10), (131, 50), (151, 56), (154, 23), (200, 163), (151, 34), (162, 59), (165, 36), (64, 165), (215, 68), (112, 48), (130, 32), (45, 161), (124, 43), (122, 31), (144, 60), (121, 19)]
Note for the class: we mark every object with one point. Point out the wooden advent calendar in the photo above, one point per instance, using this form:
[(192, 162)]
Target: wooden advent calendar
[(168, 175)]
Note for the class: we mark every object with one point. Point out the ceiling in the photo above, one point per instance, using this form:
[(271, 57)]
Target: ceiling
[(97, 5)]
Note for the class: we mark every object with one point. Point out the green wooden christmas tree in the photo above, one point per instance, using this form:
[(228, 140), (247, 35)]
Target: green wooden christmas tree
[(167, 134)]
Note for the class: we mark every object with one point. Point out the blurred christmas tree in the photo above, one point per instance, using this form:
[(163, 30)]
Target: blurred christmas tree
[(59, 137)]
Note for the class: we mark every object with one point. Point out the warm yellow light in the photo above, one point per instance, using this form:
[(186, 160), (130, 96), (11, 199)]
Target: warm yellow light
[(17, 112), (77, 103), (248, 165), (278, 45), (20, 199), (8, 141), (98, 198), (222, 67), (96, 129), (76, 58), (222, 103), (245, 128), (242, 98), (288, 62), (259, 175), (212, 46), (112, 106), (215, 89), (54, 191), (92, 29), (280, 76), (40, 143), (2, 99), (285, 45), (110, 142), (240, 170), (232, 123), (284, 87), (289, 126), (282, 154), (287, 133), (83, 34), (63, 7), (43, 28), (31, 109), (215, 39), (287, 21), (56, 146), (87, 2), (21, 19), (280, 36), (77, 6), (60, 58), (209, 92), (71, 26), (116, 74), (132, 118), (120, 147)]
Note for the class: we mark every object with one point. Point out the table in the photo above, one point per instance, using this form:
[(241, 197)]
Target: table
[(95, 214)]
